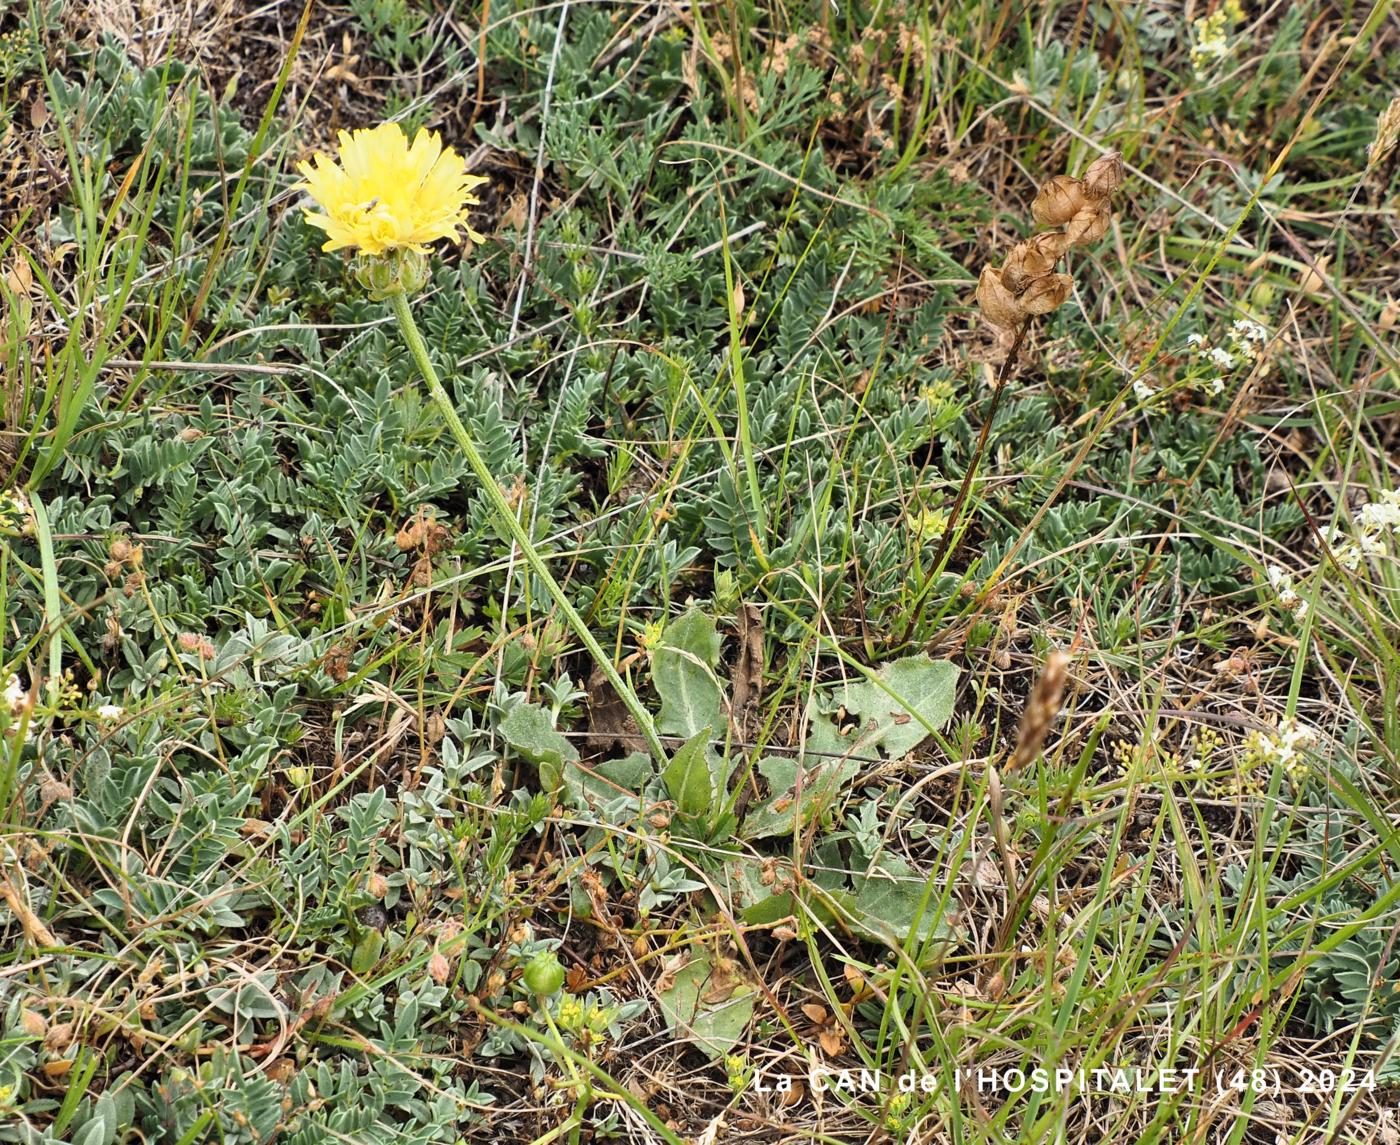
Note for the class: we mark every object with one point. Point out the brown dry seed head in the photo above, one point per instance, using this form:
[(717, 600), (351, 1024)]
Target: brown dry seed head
[(436, 537), (33, 1023), (1028, 260), (1387, 133), (998, 304), (1104, 176), (1014, 277), (1050, 245), (1089, 225), (1058, 201), (1046, 293), (281, 1070), (1041, 710), (59, 1037)]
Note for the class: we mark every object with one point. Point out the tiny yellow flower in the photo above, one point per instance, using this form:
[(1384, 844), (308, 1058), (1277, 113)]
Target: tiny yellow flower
[(927, 523), (386, 194)]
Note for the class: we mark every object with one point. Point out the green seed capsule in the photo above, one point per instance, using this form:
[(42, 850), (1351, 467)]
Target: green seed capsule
[(544, 974)]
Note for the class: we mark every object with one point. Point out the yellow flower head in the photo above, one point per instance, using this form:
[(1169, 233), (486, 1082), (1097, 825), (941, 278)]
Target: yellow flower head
[(387, 194)]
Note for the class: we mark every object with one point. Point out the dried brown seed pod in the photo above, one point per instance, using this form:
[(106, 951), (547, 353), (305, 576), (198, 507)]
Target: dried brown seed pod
[(998, 304), (1051, 245), (59, 1037), (1014, 276), (410, 534), (1058, 201), (1089, 225), (1031, 259), (1045, 293), (33, 1023), (1104, 176), (422, 574)]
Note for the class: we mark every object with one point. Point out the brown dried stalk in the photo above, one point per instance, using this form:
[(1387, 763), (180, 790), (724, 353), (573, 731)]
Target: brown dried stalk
[(947, 538), (32, 925), (1026, 285)]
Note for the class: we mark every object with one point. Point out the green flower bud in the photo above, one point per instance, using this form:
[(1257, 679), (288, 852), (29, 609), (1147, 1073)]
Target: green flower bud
[(398, 271), (544, 974)]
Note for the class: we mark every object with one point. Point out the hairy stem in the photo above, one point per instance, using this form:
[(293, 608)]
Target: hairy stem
[(419, 349)]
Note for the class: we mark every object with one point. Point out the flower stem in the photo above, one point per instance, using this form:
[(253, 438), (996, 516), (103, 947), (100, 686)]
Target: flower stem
[(419, 349), (1003, 376)]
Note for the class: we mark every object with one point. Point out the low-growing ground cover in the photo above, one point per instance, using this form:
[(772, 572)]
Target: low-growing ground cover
[(1020, 707)]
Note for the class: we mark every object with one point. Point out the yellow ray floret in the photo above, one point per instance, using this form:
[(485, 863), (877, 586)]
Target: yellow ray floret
[(387, 194)]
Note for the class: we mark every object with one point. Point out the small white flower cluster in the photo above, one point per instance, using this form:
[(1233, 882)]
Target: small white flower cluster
[(1245, 339), (16, 701), (1372, 521), (1246, 331), (110, 713), (1244, 343), (1281, 581), (1284, 747), (1380, 515)]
